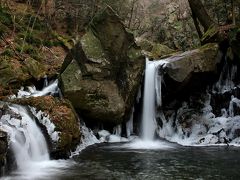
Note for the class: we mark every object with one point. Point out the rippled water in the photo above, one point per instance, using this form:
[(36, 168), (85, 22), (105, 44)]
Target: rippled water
[(115, 161)]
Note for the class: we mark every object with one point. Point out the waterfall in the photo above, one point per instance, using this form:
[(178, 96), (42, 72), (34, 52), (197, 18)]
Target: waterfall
[(148, 124), (26, 139), (148, 116), (152, 88), (227, 76), (52, 88)]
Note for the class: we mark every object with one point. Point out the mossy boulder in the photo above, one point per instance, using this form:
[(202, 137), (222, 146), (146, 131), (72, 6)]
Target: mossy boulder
[(201, 60), (63, 116), (102, 73), (189, 74)]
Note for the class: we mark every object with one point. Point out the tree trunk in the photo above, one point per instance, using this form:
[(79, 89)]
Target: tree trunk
[(233, 12), (197, 25), (201, 14)]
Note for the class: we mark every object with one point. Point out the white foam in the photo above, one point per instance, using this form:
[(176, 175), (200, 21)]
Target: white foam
[(143, 144)]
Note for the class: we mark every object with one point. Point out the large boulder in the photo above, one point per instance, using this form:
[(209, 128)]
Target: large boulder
[(190, 72), (203, 59), (102, 73)]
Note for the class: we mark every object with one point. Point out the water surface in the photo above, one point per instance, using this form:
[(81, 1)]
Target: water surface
[(115, 161)]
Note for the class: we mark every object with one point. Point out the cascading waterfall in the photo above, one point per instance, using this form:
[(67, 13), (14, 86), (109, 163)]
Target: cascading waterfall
[(148, 124), (148, 116), (26, 139), (152, 88)]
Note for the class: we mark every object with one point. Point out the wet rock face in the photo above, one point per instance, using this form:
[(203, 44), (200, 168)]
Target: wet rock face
[(58, 113), (189, 72), (102, 73)]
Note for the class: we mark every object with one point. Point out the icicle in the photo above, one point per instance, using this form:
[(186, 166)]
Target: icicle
[(117, 130), (129, 125)]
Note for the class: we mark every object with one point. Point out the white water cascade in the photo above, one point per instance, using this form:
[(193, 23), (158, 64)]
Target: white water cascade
[(152, 88), (26, 139), (148, 116)]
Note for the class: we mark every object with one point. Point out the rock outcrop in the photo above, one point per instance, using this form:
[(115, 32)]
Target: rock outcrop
[(154, 50), (203, 59), (102, 73), (190, 71), (186, 78), (200, 105)]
